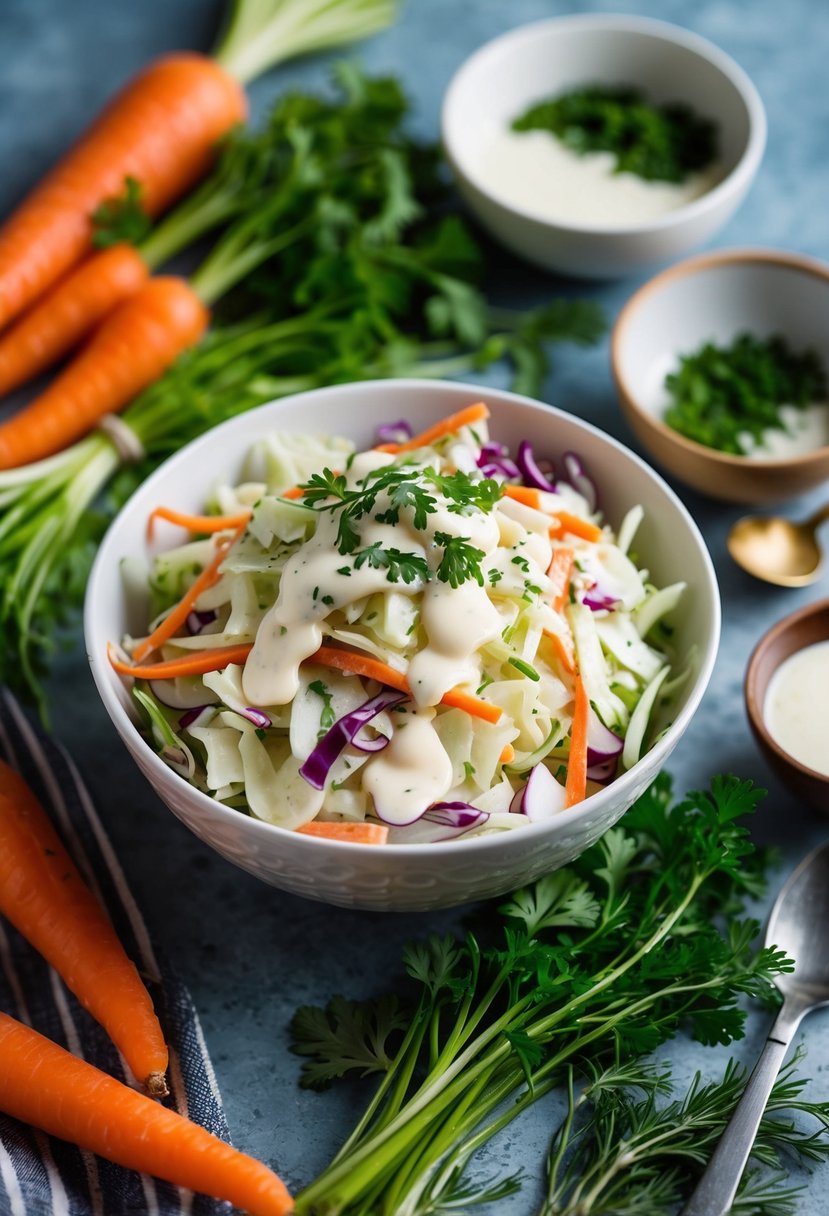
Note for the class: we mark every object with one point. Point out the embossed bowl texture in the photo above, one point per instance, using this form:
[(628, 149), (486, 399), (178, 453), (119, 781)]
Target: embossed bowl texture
[(406, 877)]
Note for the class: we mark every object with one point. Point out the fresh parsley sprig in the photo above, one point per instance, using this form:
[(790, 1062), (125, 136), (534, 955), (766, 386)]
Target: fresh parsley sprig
[(597, 963), (399, 567)]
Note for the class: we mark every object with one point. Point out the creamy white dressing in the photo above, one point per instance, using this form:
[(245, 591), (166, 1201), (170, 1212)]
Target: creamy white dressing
[(806, 430), (457, 622), (412, 772), (537, 172), (796, 706)]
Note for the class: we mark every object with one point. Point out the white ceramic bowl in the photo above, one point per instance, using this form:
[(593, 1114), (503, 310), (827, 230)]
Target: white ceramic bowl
[(403, 877), (531, 63), (713, 298)]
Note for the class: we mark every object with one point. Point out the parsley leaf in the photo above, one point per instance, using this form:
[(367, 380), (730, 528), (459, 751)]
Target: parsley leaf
[(460, 560), (399, 567)]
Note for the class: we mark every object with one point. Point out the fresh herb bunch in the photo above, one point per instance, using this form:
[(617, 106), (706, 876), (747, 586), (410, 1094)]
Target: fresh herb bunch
[(626, 1146), (338, 261), (658, 143), (603, 961), (721, 394)]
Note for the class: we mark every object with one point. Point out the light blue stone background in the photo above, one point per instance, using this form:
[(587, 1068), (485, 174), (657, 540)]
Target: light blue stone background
[(249, 953)]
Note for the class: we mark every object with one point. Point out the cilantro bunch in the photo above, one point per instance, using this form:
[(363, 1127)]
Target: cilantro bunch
[(578, 975)]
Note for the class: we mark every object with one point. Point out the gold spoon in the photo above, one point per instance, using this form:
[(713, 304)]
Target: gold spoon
[(778, 550)]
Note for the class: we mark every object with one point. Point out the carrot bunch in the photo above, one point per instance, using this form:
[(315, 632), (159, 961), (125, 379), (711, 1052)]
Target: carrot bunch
[(158, 136), (45, 898)]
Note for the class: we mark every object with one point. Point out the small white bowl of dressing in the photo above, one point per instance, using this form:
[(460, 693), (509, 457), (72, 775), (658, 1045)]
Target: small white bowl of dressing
[(573, 213), (787, 700)]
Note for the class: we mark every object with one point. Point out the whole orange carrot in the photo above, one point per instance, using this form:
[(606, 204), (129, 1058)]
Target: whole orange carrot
[(45, 898), (161, 129), (47, 1087), (68, 312), (130, 350)]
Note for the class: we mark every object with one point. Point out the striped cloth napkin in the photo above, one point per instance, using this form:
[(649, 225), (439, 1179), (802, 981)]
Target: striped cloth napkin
[(40, 1176)]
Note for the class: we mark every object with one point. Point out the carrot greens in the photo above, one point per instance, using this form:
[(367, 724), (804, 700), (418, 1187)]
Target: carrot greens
[(338, 260), (569, 983)]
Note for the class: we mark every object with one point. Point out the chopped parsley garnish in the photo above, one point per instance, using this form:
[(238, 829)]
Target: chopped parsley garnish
[(460, 560), (722, 394), (655, 142), (327, 715), (399, 567), (405, 489)]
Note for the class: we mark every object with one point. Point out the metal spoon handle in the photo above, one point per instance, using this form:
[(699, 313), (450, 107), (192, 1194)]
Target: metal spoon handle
[(716, 1189)]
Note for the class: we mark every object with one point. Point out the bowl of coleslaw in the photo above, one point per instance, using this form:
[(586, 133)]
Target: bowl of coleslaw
[(402, 645)]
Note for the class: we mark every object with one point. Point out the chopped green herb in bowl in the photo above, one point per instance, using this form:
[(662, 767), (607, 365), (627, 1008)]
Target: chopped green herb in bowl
[(729, 397), (656, 142)]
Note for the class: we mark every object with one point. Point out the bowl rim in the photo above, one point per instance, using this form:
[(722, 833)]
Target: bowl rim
[(164, 774), (702, 263), (740, 175), (754, 709)]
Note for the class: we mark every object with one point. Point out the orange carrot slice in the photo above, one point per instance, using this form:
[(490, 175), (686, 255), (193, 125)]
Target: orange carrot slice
[(576, 526), (562, 651), (465, 417), (175, 619), (198, 523), (357, 833), (575, 786), (188, 665), (560, 572), (525, 494), (374, 669), (507, 754)]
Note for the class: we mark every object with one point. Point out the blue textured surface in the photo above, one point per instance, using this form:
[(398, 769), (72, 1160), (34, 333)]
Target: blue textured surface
[(249, 954)]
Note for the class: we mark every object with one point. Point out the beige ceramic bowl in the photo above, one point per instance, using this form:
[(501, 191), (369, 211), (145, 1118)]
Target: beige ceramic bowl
[(803, 628), (714, 297), (670, 64)]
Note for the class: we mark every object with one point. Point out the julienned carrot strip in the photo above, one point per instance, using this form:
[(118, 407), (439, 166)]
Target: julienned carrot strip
[(456, 698), (507, 754), (577, 527), (575, 786), (374, 669), (45, 1086), (357, 833), (138, 341), (198, 523), (465, 417), (45, 898), (292, 492), (176, 618), (564, 654), (196, 664), (525, 494), (560, 572), (161, 130), (68, 312)]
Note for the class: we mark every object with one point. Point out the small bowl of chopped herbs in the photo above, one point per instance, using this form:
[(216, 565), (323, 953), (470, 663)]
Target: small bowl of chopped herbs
[(600, 145), (721, 367)]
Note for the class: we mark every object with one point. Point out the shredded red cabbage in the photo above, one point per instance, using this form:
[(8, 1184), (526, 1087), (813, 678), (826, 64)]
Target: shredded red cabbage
[(316, 768), (579, 479), (493, 461), (598, 601), (394, 432), (530, 471), (541, 797), (196, 621), (256, 716)]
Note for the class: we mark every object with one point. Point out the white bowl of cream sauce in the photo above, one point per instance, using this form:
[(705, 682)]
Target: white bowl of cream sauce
[(573, 213)]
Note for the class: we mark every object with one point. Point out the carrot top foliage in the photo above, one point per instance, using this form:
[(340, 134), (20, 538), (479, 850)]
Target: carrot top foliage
[(569, 983), (338, 259)]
